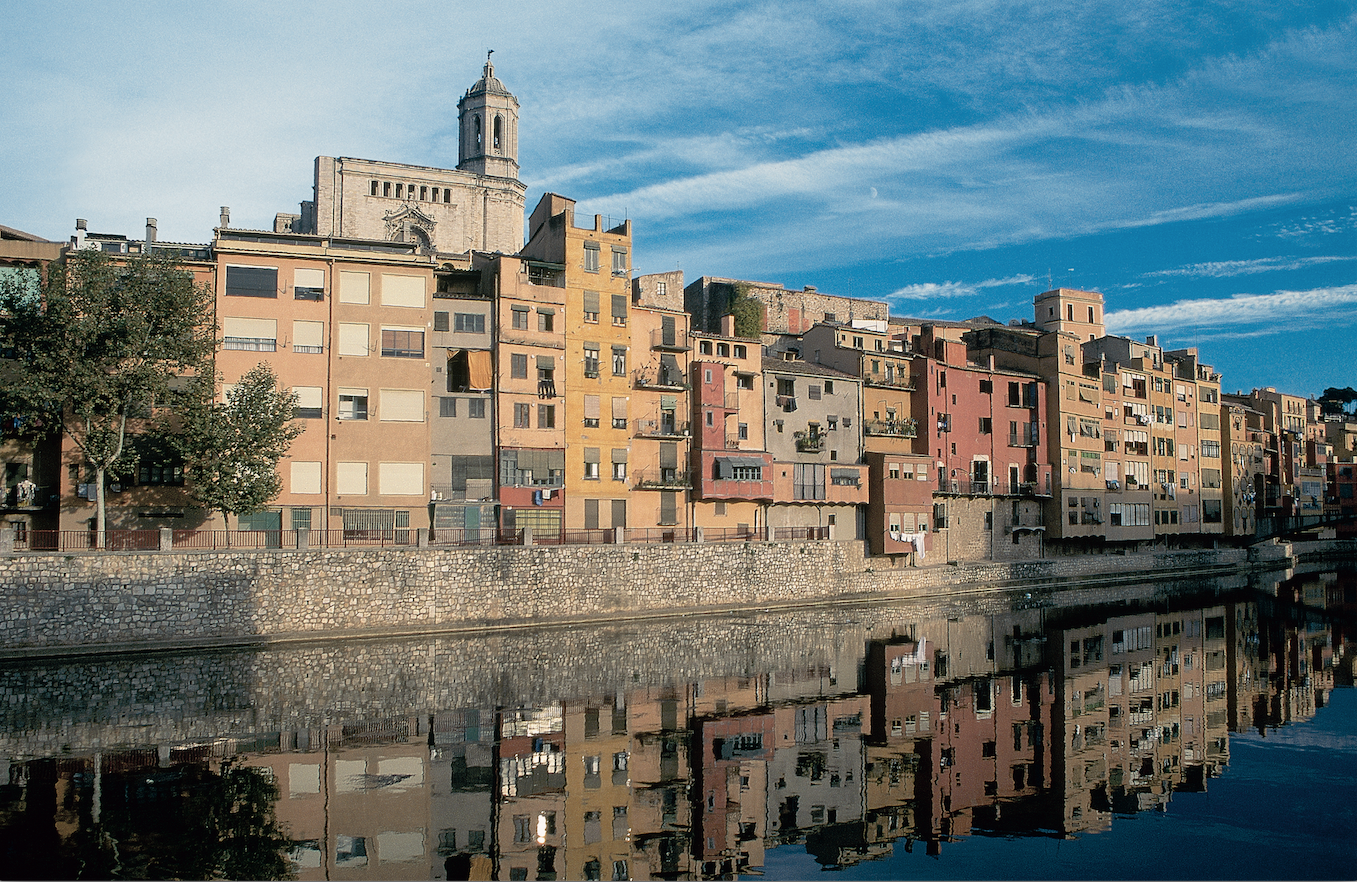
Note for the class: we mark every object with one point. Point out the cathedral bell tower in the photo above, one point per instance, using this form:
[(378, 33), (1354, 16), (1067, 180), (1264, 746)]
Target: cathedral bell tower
[(487, 119)]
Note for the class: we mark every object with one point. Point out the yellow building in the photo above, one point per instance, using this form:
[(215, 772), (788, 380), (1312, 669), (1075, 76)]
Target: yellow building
[(598, 365)]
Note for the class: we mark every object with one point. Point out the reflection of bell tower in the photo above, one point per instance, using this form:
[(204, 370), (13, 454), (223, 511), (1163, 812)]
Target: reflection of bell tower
[(487, 117)]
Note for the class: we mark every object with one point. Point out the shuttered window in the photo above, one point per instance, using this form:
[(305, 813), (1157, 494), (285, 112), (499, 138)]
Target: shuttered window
[(401, 405), (398, 290), (354, 287)]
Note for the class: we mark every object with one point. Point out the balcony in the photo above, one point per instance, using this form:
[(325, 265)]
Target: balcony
[(27, 495), (662, 429), (905, 384), (664, 479), (674, 340), (659, 380), (1017, 439), (903, 428), (733, 442), (809, 442), (957, 487)]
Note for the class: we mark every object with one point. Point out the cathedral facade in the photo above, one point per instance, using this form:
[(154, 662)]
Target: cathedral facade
[(477, 206)]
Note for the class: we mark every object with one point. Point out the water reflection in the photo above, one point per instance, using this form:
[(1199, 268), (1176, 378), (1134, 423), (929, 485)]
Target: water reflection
[(675, 751)]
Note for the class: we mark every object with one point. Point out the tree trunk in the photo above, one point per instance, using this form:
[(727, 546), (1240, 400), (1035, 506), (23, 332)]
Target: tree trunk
[(101, 515)]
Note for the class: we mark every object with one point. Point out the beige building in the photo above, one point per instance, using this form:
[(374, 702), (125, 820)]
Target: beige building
[(347, 329), (478, 206)]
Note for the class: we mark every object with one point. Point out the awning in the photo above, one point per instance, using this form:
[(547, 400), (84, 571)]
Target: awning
[(592, 408), (546, 362), (619, 408), (742, 461), (619, 454), (668, 402), (591, 454), (668, 455), (843, 473), (480, 369)]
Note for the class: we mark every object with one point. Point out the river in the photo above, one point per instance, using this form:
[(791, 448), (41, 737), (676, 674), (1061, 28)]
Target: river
[(1187, 729)]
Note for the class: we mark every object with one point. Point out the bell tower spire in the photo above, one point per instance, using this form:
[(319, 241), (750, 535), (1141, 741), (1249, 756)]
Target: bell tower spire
[(487, 119)]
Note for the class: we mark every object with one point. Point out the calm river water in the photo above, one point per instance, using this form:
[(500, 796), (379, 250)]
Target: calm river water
[(1161, 731)]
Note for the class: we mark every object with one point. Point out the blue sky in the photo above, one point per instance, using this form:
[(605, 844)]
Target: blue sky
[(1196, 163)]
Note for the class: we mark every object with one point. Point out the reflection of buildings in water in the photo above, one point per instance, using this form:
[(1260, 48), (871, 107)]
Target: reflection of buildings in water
[(994, 723)]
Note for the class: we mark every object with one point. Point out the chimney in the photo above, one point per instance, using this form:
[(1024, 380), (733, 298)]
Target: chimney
[(81, 226), (225, 220), (728, 326), (150, 232), (1152, 340)]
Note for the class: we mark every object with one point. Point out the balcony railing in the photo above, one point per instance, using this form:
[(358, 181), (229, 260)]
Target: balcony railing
[(68, 541), (733, 442), (662, 428), (664, 479), (658, 380), (1018, 439), (673, 341), (902, 428), (809, 442), (903, 383), (955, 487)]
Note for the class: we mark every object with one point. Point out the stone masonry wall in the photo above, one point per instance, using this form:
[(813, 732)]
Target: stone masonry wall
[(112, 600)]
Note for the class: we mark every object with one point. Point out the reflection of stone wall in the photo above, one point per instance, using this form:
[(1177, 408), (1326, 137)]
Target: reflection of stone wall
[(195, 598), (191, 697)]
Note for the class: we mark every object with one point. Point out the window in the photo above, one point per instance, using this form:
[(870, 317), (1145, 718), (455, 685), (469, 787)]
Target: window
[(619, 361), (591, 257), (402, 406), (353, 404), (986, 387), (351, 478), (619, 310), (743, 431), (476, 408), (591, 307), (522, 416), (400, 478), (546, 416), (591, 359), (829, 387), (591, 461), (447, 407), (400, 290), (619, 471), (986, 426), (250, 334), (308, 337), (813, 393), (310, 402), (593, 407), (518, 366), (619, 413), (464, 323), (519, 320), (353, 339), (619, 261), (251, 281), (402, 343), (808, 481), (546, 320), (308, 284), (744, 381)]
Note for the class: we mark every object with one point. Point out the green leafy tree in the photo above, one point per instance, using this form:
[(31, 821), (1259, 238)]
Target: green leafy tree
[(231, 449), (1336, 401), (746, 310), (99, 348)]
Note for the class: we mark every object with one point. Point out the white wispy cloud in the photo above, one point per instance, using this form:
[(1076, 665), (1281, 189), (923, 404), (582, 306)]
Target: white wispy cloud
[(1280, 310), (1223, 269), (946, 290)]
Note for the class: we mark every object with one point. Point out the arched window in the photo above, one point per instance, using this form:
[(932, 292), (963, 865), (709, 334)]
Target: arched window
[(477, 118), (499, 133)]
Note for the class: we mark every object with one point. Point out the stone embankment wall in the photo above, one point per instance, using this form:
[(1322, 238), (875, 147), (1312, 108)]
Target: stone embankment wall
[(93, 602)]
